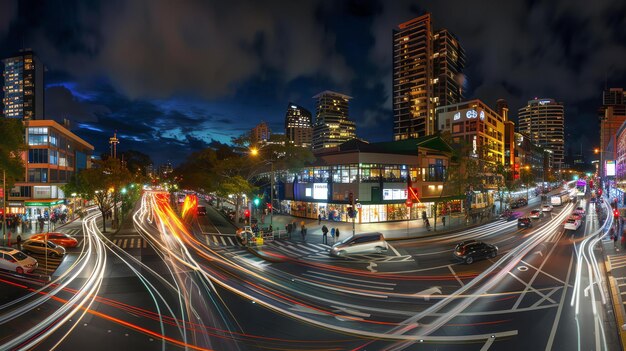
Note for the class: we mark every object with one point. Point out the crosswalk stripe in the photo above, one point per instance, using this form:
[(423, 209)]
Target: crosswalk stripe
[(132, 243), (321, 246), (124, 245), (214, 239), (223, 241), (307, 248), (230, 240), (145, 243)]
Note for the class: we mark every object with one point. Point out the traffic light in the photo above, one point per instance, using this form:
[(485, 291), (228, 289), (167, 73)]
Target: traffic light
[(246, 213), (616, 213), (257, 201), (269, 206)]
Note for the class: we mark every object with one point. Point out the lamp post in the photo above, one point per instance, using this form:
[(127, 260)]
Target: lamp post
[(255, 152)]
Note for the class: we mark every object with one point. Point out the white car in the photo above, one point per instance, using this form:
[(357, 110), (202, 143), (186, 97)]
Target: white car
[(536, 213), (547, 208), (16, 261), (572, 223), (360, 244)]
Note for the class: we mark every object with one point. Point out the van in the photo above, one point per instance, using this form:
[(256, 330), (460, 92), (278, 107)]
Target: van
[(359, 244)]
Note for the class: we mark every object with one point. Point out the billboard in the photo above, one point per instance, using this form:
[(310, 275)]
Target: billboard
[(320, 191), (395, 194), (610, 168)]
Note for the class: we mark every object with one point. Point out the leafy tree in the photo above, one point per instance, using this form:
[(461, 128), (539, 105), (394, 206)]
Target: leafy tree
[(11, 147)]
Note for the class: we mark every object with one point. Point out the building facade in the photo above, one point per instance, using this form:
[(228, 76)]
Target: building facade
[(377, 175), (23, 86), (612, 115), (332, 124), (298, 126), (529, 157), (427, 73), (478, 127), (53, 156), (260, 133), (543, 121)]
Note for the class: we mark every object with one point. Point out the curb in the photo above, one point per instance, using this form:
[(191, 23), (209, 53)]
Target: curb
[(439, 233), (616, 300)]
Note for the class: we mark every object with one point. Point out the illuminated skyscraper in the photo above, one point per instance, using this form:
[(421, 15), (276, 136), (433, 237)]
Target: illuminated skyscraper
[(298, 126), (332, 126), (427, 73), (23, 86), (543, 121), (260, 133)]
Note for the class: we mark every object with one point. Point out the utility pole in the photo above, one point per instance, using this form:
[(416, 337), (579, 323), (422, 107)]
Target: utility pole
[(4, 204)]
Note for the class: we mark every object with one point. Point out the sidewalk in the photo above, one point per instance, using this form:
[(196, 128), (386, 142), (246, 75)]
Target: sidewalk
[(615, 263)]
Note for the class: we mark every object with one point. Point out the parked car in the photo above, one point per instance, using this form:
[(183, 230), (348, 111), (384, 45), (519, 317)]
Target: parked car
[(360, 243), (572, 223), (16, 261), (547, 208), (42, 247), (536, 213), (58, 238), (524, 222), (472, 250)]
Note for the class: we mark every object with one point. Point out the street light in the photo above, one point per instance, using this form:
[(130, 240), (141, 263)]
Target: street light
[(254, 152)]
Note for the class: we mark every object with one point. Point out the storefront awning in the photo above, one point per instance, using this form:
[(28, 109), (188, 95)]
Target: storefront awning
[(44, 202)]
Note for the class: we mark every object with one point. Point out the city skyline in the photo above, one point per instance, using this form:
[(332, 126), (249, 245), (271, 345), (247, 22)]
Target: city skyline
[(348, 50)]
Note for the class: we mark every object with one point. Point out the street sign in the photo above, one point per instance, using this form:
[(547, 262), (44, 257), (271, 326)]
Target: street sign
[(358, 205)]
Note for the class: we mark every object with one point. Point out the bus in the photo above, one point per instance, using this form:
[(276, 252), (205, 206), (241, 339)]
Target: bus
[(560, 198)]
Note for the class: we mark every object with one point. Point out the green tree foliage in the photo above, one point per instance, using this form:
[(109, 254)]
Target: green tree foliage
[(11, 148)]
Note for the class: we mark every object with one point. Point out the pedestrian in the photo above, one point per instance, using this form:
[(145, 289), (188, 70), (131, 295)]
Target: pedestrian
[(337, 235), (319, 219), (332, 234), (443, 220), (614, 237), (324, 234), (427, 223), (303, 232), (19, 242), (424, 217)]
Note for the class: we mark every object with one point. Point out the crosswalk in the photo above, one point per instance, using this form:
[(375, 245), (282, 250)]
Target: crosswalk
[(73, 231), (321, 252), (130, 242), (241, 255), (220, 240)]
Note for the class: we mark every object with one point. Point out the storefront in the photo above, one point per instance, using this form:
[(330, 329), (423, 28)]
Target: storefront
[(43, 208)]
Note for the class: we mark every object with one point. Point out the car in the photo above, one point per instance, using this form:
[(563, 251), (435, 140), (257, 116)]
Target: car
[(16, 261), (41, 247), (58, 238), (201, 211), (572, 223), (547, 208), (580, 210), (536, 213), (578, 216), (470, 251), (359, 244), (524, 222)]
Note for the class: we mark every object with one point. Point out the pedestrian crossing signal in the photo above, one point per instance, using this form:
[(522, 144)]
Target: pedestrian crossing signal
[(246, 213)]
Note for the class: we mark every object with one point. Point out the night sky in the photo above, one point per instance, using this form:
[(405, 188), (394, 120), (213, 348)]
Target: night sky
[(173, 76)]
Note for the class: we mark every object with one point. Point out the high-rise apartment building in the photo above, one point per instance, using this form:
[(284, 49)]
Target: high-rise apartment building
[(612, 115), (23, 86), (332, 125), (260, 133), (298, 126), (427, 73), (542, 120)]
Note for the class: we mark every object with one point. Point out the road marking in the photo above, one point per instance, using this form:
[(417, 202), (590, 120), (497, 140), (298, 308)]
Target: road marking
[(223, 241), (487, 344), (522, 268), (545, 273), (546, 297), (344, 282), (455, 276), (132, 243), (214, 239), (308, 248), (230, 240), (429, 292), (352, 279), (351, 311), (124, 245), (372, 267), (558, 311), (340, 289), (393, 249), (145, 243), (528, 287)]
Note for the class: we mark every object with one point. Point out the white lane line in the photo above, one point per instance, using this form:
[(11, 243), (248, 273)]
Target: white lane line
[(528, 288), (292, 250), (214, 239), (308, 248), (344, 282), (455, 276), (487, 344), (393, 249), (545, 273), (546, 297), (351, 311), (321, 246), (353, 279), (223, 241), (558, 311), (340, 289)]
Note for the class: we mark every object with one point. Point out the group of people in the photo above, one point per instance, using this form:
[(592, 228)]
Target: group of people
[(334, 234)]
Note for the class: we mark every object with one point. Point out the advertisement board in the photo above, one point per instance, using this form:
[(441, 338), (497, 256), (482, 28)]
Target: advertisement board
[(320, 191), (395, 194), (610, 168)]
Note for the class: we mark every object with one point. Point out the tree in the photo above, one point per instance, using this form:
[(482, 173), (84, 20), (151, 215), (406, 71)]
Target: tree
[(102, 183), (11, 147)]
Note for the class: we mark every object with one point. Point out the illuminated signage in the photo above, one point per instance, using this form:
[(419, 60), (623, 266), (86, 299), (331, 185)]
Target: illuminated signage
[(294, 106), (307, 192), (482, 114), (320, 191), (457, 116), (395, 194), (43, 204), (610, 168), (471, 114), (544, 102), (474, 146)]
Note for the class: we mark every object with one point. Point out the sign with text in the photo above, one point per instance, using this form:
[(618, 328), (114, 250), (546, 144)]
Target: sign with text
[(394, 194), (320, 191), (610, 168)]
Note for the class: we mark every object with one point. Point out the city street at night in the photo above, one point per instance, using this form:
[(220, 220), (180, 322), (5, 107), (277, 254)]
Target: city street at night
[(313, 175)]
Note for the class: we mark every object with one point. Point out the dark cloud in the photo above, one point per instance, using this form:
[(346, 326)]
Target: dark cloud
[(62, 104)]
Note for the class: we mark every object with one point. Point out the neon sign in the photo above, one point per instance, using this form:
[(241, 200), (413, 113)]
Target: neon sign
[(471, 114), (457, 116)]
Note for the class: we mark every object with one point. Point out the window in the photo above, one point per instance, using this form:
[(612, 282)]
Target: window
[(38, 156), (54, 157), (38, 175), (62, 160), (37, 136)]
